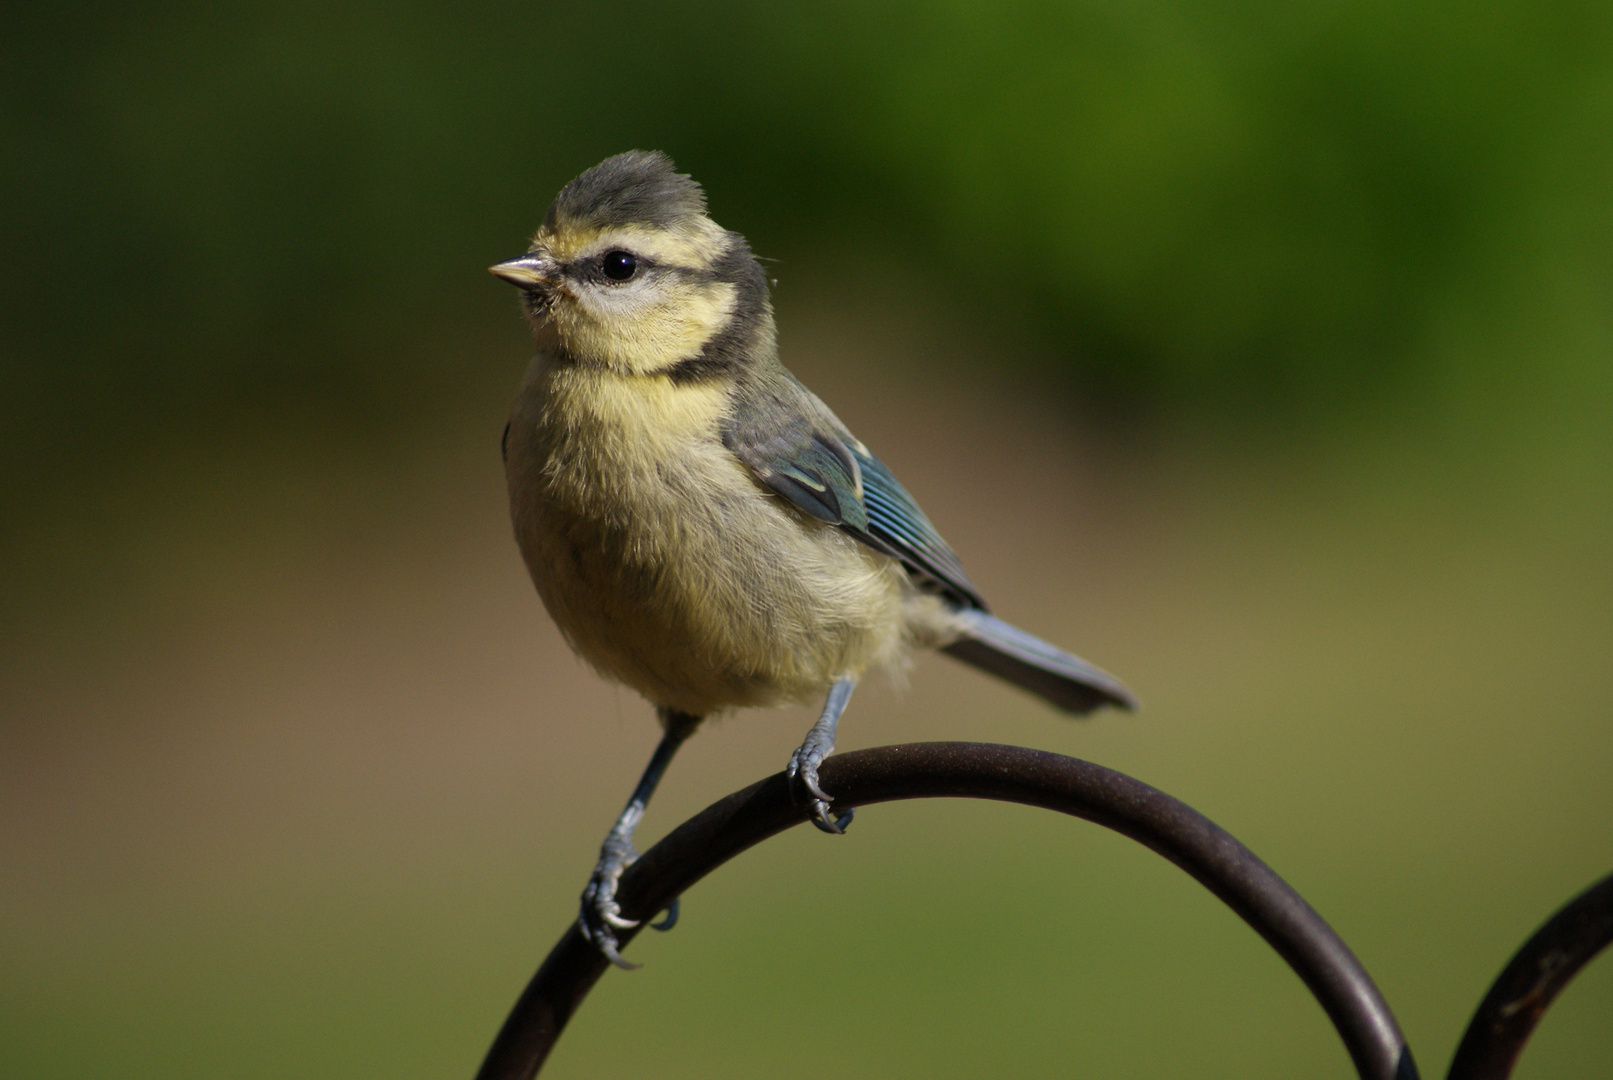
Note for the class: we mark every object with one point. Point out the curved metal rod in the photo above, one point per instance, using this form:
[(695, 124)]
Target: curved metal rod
[(1536, 974), (980, 771)]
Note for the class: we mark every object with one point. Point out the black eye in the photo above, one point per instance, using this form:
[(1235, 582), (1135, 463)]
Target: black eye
[(619, 265)]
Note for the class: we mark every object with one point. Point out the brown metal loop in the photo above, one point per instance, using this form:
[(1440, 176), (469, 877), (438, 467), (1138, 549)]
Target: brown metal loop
[(979, 771), (1536, 974)]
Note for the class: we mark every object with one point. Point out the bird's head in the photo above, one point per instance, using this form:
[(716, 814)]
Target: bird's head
[(628, 273)]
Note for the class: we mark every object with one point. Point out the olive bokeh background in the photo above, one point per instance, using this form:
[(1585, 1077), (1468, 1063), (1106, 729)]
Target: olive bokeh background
[(1260, 352)]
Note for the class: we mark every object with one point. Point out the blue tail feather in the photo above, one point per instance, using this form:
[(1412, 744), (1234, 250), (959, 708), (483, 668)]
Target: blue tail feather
[(1027, 661)]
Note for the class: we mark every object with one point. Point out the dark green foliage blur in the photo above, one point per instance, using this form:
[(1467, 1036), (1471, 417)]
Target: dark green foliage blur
[(1268, 209)]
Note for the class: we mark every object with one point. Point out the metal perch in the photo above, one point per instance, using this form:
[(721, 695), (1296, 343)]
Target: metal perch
[(1536, 974), (975, 771)]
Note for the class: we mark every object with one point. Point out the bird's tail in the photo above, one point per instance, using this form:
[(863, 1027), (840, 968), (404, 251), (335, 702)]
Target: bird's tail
[(1009, 653)]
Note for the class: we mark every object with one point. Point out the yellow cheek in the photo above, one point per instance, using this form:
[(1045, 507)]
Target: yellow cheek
[(675, 325)]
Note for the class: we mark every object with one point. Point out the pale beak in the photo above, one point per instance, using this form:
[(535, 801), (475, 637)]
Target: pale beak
[(531, 271)]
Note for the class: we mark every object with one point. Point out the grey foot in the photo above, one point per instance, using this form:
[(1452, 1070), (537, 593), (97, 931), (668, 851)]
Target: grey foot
[(804, 788), (601, 916)]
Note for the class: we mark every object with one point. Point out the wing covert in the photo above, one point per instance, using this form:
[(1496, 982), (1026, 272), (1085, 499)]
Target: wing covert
[(802, 461), (798, 449)]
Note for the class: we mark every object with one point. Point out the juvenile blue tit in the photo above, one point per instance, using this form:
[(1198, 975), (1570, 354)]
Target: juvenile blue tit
[(700, 526)]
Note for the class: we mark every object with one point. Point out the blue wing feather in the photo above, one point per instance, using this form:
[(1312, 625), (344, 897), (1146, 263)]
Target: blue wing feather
[(896, 520)]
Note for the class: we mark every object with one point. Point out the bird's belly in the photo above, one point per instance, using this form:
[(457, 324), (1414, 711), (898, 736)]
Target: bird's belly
[(703, 592)]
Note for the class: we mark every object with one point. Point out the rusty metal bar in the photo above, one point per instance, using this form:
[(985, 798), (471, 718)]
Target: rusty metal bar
[(1536, 974), (976, 771)]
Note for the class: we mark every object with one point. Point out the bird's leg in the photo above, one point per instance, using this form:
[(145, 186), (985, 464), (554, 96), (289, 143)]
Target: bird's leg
[(601, 916), (819, 744)]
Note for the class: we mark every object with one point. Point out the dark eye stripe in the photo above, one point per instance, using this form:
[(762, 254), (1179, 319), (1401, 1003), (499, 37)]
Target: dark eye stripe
[(592, 268)]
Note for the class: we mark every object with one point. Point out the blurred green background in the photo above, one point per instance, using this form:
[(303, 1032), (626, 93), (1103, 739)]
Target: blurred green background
[(1261, 352)]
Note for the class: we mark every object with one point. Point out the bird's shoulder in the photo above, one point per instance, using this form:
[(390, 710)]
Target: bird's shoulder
[(795, 446)]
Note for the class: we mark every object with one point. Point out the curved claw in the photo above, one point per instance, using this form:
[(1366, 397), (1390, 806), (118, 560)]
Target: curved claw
[(609, 916), (594, 923), (599, 907), (671, 918), (809, 779), (836, 827), (607, 946)]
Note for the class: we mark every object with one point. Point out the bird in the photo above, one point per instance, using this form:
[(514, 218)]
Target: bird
[(699, 525)]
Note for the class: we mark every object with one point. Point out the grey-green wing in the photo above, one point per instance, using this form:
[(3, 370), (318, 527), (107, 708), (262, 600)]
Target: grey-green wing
[(800, 450)]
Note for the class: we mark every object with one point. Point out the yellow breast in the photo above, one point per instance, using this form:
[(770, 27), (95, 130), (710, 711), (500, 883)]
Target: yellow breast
[(663, 561)]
